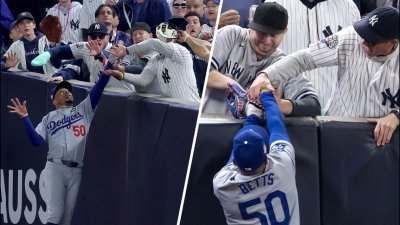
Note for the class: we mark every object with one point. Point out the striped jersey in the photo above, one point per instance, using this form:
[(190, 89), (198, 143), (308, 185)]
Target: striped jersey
[(80, 51), (267, 198), (365, 86), (306, 26), (69, 19), (66, 129), (172, 67), (19, 48), (87, 13), (234, 57)]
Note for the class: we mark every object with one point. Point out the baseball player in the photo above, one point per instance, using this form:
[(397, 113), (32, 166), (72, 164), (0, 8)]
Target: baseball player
[(240, 53), (69, 13), (311, 22), (258, 184), (172, 67), (30, 45), (367, 55), (65, 131), (98, 42)]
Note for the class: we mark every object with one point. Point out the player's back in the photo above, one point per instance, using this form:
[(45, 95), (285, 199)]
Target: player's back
[(269, 198)]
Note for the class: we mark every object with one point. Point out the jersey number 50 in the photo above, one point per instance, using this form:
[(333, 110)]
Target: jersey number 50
[(270, 210), (79, 130)]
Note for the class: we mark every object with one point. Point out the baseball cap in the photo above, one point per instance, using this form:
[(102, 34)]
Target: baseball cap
[(215, 1), (140, 26), (250, 147), (270, 18), (12, 25), (177, 22), (380, 25), (63, 84), (98, 28), (24, 15)]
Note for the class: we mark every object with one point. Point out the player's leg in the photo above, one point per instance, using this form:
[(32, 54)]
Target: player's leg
[(55, 191), (71, 196)]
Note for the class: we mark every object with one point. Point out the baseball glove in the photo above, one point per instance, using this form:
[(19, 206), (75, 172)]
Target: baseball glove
[(51, 27), (239, 102)]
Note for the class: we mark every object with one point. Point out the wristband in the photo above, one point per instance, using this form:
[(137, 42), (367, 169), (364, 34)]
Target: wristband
[(122, 77), (395, 112), (24, 116)]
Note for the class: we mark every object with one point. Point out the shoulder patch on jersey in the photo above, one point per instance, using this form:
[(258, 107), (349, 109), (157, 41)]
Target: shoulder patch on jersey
[(331, 41), (278, 147)]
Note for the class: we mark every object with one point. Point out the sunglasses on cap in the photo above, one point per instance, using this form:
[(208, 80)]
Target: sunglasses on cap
[(177, 5), (95, 36)]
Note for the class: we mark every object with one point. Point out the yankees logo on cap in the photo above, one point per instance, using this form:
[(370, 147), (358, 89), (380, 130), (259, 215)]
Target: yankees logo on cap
[(98, 28), (24, 15), (380, 25)]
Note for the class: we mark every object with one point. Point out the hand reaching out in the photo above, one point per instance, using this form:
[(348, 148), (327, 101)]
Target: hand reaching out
[(11, 60), (93, 47), (384, 128), (118, 51), (57, 78), (17, 108), (115, 73)]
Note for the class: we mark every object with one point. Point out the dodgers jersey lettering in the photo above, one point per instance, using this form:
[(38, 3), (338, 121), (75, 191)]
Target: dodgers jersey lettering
[(66, 130), (269, 198)]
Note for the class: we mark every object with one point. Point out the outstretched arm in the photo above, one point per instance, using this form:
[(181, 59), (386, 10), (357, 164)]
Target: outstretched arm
[(55, 54), (274, 118), (20, 109), (98, 88)]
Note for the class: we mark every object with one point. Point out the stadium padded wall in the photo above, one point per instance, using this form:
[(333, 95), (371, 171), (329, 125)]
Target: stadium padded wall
[(136, 158), (138, 150)]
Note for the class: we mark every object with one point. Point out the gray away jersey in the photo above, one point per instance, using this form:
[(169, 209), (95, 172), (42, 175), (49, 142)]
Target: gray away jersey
[(65, 130), (366, 87), (269, 198), (306, 26), (234, 57)]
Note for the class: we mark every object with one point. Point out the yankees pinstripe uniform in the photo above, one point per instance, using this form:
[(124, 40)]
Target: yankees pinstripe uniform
[(87, 13), (80, 51), (306, 26), (69, 19), (18, 48), (235, 58), (261, 197), (366, 87), (173, 68)]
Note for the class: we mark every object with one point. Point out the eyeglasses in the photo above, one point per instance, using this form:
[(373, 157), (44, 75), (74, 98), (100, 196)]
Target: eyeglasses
[(95, 36), (177, 6)]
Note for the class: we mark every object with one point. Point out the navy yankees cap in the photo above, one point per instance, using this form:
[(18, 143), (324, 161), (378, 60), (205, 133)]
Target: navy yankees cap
[(24, 15), (270, 18), (63, 84), (98, 28), (380, 25), (250, 147)]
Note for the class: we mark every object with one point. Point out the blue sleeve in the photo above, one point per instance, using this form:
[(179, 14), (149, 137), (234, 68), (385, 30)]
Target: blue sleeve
[(274, 118), (61, 52), (6, 17), (34, 137), (98, 88)]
